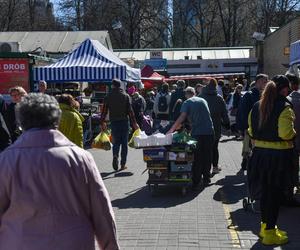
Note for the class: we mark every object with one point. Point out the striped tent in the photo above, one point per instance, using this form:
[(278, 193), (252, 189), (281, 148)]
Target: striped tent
[(90, 62), (295, 53)]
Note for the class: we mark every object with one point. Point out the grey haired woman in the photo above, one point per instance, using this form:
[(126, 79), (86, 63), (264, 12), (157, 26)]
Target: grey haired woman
[(51, 193)]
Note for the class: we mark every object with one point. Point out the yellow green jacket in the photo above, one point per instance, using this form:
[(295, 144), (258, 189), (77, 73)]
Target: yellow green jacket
[(286, 131), (71, 124)]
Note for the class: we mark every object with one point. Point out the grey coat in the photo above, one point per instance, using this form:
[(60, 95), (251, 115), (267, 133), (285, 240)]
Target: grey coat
[(217, 108)]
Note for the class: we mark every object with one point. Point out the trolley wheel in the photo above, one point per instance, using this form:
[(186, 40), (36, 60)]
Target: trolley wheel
[(245, 204), (183, 191)]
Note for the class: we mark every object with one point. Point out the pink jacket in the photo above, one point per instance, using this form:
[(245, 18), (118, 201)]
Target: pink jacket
[(52, 196)]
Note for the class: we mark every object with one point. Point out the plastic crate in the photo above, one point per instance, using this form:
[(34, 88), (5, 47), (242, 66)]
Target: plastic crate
[(157, 164), (180, 156), (181, 167), (158, 174), (155, 154)]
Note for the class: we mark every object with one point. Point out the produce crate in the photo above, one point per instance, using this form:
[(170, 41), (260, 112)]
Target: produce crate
[(180, 156), (181, 166), (180, 177), (158, 175), (155, 154), (157, 164)]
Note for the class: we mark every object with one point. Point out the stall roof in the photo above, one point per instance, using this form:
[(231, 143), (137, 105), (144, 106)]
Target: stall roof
[(295, 53), (53, 41), (90, 61), (189, 53)]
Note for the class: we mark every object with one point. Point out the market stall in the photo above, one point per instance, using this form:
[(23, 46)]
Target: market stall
[(90, 62)]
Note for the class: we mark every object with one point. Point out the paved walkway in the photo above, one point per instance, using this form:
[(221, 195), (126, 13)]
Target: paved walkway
[(211, 219)]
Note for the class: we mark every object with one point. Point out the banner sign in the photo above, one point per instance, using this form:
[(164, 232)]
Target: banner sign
[(158, 64), (13, 72)]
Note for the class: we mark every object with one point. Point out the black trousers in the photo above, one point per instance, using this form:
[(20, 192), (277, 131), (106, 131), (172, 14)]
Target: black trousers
[(203, 158), (271, 197), (215, 153), (271, 171)]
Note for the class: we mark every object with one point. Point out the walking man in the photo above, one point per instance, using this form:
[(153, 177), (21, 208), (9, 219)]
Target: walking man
[(196, 110), (118, 104), (219, 116)]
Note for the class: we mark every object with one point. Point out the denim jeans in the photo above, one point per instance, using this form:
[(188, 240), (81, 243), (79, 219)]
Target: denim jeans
[(119, 132)]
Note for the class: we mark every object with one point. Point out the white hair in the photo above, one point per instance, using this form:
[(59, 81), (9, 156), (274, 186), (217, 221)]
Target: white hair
[(38, 110)]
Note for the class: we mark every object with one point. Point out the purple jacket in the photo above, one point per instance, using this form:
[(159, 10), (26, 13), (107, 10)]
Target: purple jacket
[(52, 196)]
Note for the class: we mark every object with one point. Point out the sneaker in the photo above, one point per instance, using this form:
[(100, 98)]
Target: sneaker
[(263, 228), (115, 163), (272, 237)]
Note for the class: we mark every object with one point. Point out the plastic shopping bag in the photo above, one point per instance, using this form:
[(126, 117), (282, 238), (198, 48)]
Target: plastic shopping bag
[(135, 134), (102, 142)]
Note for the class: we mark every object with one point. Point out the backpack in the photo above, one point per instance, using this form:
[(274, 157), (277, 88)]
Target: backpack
[(162, 103)]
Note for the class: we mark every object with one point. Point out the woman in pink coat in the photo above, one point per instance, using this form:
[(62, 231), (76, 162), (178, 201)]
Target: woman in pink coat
[(51, 193)]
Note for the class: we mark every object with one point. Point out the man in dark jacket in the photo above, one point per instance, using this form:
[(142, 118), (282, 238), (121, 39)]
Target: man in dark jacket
[(118, 104), (247, 102), (138, 106), (177, 98), (219, 116)]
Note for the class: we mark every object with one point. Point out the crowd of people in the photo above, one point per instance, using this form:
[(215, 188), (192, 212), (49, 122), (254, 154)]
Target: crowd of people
[(41, 139)]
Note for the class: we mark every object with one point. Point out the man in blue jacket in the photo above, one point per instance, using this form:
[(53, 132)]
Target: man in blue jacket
[(247, 102)]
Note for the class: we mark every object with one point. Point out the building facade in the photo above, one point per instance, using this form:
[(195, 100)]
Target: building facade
[(195, 61), (276, 55)]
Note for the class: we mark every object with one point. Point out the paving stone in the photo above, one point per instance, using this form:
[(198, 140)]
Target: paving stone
[(198, 220)]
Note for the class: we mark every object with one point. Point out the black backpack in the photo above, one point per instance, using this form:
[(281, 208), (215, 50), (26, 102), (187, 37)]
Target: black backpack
[(162, 103)]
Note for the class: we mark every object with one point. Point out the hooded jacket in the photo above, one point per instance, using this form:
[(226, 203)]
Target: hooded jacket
[(217, 108), (71, 124)]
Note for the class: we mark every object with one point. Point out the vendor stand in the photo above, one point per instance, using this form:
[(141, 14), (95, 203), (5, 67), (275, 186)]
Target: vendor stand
[(169, 158)]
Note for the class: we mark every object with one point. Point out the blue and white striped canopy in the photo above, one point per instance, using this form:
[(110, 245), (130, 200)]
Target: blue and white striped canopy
[(90, 62), (295, 53)]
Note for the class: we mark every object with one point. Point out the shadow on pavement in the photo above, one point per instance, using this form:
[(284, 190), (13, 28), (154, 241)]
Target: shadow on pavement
[(123, 174), (113, 174), (106, 175), (164, 197), (233, 189)]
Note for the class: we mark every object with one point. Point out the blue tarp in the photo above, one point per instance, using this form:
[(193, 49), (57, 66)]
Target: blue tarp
[(295, 53), (90, 62)]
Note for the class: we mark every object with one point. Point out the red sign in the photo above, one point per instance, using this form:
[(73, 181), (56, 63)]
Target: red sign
[(13, 72)]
